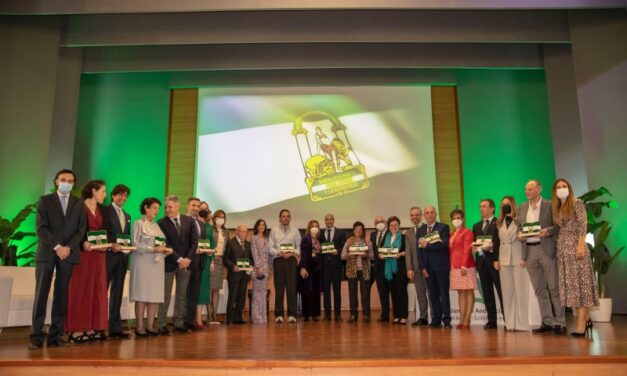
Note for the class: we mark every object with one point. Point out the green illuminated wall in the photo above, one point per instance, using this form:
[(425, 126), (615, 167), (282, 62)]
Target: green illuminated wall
[(122, 133), (505, 134)]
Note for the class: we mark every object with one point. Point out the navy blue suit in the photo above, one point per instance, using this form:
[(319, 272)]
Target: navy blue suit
[(435, 258)]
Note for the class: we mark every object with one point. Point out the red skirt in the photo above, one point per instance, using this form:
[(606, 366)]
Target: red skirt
[(87, 301)]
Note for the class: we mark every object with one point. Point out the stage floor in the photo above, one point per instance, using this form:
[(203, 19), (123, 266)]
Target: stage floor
[(323, 344)]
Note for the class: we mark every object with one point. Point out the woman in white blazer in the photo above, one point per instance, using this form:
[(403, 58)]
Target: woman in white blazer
[(514, 277)]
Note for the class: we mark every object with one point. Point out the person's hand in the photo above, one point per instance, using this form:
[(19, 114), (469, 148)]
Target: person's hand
[(303, 273), (87, 246), (497, 265), (198, 251), (212, 267), (63, 252), (523, 263), (167, 251), (464, 272), (521, 237), (581, 249), (543, 233), (422, 243), (487, 248), (410, 275), (286, 255), (425, 273), (236, 268), (334, 252), (115, 247), (397, 256), (185, 263)]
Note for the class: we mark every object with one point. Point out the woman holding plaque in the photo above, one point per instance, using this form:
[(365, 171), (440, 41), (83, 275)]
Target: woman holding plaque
[(309, 269), (514, 277), (263, 270), (87, 294), (220, 237), (357, 252), (204, 297), (463, 272), (147, 267), (395, 271), (574, 265)]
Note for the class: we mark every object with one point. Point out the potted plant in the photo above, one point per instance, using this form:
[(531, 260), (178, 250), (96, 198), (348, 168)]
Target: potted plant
[(602, 257), (9, 234)]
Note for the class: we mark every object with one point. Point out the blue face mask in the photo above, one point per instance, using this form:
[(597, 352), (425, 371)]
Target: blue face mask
[(65, 187)]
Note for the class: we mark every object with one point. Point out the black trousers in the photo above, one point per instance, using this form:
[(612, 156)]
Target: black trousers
[(117, 263), (237, 297), (384, 290), (331, 278), (285, 278), (193, 288), (364, 289), (44, 272), (490, 280), (398, 287), (438, 284)]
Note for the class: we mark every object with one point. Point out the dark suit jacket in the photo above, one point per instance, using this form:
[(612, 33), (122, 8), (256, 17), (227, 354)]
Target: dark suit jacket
[(111, 223), (435, 257), (233, 251), (339, 238), (55, 228), (199, 260), (184, 246), (488, 258), (378, 264)]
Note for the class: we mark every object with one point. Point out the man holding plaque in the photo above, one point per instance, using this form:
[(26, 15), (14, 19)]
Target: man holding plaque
[(331, 240), (412, 262), (539, 256), (181, 235), (433, 238), (487, 248), (199, 260), (238, 261), (285, 248), (118, 223)]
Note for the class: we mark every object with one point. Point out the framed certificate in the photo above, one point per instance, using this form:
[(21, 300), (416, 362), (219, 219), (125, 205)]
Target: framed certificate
[(204, 245), (531, 229), (124, 241), (482, 240), (433, 237), (98, 239), (327, 248), (160, 242), (287, 248), (357, 250), (244, 265), (388, 252)]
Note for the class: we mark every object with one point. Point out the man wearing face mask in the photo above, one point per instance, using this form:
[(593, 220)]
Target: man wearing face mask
[(376, 238), (539, 256), (486, 256), (332, 268), (412, 263), (61, 226), (285, 266)]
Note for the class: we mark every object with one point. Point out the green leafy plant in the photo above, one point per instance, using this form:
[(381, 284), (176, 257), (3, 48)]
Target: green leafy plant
[(602, 258), (9, 234)]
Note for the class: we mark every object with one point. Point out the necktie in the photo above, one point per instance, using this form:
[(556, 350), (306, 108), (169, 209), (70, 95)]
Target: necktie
[(486, 223), (379, 238), (241, 244), (121, 218), (430, 229), (64, 204), (328, 234), (177, 225), (416, 231)]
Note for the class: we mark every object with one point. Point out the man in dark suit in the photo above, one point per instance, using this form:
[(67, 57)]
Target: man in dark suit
[(376, 238), (198, 264), (181, 234), (61, 226), (236, 248), (486, 256), (332, 268), (436, 265), (117, 222)]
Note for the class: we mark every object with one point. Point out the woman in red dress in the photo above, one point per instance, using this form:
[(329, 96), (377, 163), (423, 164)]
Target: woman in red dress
[(463, 271), (87, 304)]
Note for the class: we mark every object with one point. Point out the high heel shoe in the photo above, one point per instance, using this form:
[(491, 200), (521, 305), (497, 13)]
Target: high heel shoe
[(586, 331), (83, 338), (198, 326)]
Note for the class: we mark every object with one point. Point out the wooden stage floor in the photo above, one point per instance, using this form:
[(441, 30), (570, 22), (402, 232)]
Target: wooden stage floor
[(331, 348)]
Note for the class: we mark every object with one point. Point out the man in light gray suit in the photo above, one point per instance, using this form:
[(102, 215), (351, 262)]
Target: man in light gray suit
[(539, 256), (413, 267)]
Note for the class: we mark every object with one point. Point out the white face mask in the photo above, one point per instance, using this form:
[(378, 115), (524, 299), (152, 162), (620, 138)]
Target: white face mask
[(219, 221), (562, 193), (380, 226), (314, 231), (457, 223)]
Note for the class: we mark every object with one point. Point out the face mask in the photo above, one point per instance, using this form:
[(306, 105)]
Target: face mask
[(507, 209), (65, 187), (457, 223), (314, 231), (203, 213), (219, 221), (380, 226), (562, 193)]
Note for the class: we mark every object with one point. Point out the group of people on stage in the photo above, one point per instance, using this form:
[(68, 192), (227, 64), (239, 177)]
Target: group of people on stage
[(195, 249)]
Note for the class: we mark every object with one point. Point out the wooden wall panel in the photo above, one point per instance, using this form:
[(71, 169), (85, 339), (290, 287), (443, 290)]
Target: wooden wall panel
[(182, 143), (448, 167)]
